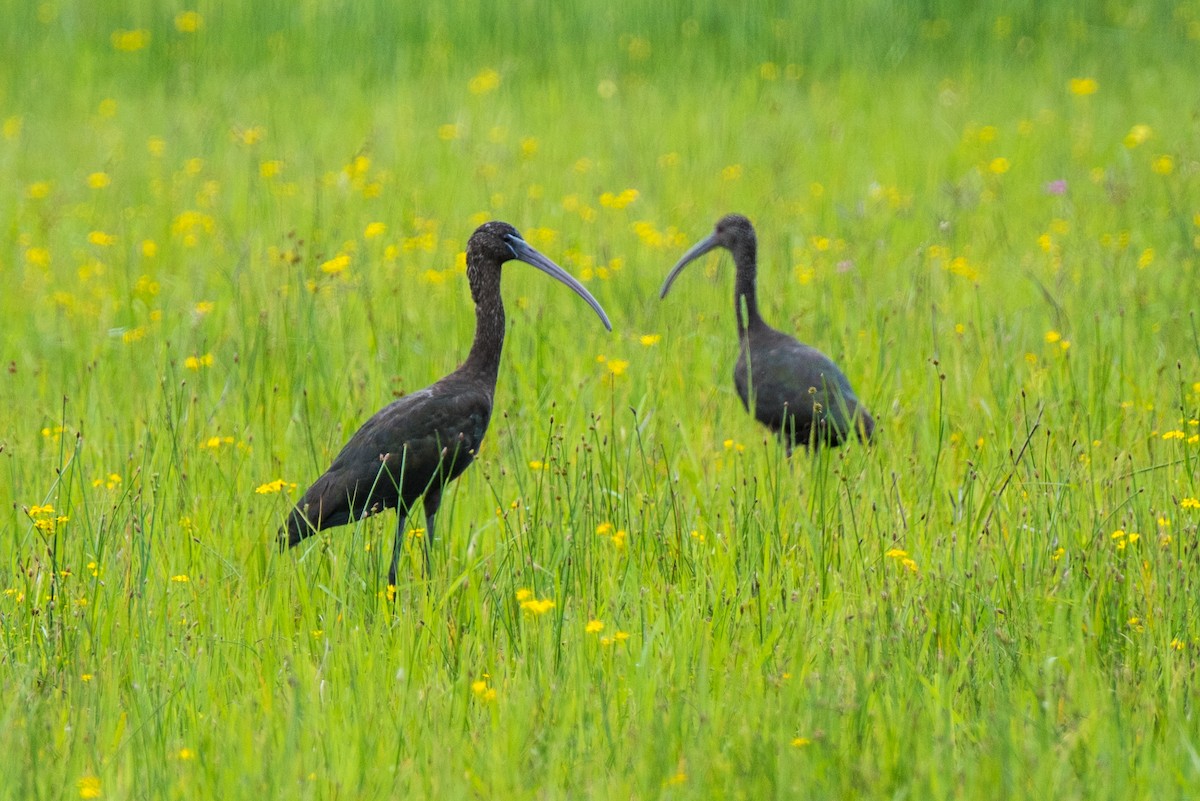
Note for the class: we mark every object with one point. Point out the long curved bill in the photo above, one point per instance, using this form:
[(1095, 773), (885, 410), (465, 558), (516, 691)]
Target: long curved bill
[(697, 250), (523, 251)]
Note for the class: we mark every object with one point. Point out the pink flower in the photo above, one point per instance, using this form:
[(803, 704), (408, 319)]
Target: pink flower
[(1058, 187)]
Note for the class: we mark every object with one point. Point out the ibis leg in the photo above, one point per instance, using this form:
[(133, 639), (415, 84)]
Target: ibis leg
[(433, 499), (398, 543)]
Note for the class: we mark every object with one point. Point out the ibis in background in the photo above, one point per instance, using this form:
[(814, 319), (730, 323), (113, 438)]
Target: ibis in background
[(412, 448), (791, 388)]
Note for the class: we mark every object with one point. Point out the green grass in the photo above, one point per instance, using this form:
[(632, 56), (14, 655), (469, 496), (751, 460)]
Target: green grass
[(896, 160)]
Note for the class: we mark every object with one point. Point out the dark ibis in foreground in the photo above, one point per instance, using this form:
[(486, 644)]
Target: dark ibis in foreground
[(796, 390), (415, 446)]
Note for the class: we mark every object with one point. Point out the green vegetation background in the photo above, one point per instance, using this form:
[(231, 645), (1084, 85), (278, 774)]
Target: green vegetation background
[(232, 231)]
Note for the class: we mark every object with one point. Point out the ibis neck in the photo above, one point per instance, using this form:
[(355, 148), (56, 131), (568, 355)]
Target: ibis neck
[(745, 296), (484, 358)]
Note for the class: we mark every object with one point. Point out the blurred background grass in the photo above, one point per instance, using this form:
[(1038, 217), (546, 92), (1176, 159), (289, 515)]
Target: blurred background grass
[(235, 230)]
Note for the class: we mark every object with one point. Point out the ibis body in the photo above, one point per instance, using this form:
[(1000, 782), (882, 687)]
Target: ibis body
[(793, 389), (412, 448)]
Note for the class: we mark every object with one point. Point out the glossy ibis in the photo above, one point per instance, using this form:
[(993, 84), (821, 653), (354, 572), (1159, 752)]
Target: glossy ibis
[(796, 390), (415, 446)]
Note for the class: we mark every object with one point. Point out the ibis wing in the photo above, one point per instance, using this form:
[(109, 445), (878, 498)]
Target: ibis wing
[(796, 381), (422, 439)]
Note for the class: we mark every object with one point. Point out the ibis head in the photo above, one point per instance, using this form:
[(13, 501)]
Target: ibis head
[(733, 232), (495, 243)]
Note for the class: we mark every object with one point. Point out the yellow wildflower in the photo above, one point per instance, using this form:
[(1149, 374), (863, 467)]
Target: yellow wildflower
[(537, 606), (12, 126), (1083, 86), (960, 266), (618, 201), (111, 482), (198, 362), (336, 265), (902, 558), (278, 485), (89, 787), (1163, 165), (594, 626), (487, 80), (98, 180), (188, 21), (482, 691), (130, 41), (1137, 135), (249, 136), (650, 339)]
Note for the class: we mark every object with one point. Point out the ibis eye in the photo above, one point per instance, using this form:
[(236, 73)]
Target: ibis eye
[(508, 240)]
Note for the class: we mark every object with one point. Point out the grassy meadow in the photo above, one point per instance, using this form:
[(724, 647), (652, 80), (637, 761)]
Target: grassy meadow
[(231, 232)]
